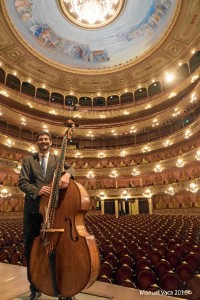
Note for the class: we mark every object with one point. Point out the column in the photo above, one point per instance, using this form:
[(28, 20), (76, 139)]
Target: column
[(135, 207), (116, 208), (130, 207), (150, 205), (102, 207)]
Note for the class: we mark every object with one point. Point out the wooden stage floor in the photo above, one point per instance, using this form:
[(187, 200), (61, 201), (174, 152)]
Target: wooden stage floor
[(14, 286)]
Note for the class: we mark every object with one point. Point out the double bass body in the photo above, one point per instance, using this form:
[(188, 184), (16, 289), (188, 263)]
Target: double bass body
[(69, 261)]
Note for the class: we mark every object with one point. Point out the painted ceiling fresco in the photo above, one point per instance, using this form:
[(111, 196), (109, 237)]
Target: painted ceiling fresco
[(138, 28)]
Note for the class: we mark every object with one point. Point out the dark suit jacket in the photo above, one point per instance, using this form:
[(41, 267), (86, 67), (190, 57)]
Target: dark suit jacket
[(31, 179)]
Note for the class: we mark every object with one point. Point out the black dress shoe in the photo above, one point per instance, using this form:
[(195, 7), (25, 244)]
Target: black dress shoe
[(64, 298), (35, 296)]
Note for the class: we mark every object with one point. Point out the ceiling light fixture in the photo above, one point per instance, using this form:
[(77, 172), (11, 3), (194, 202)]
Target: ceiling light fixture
[(92, 13)]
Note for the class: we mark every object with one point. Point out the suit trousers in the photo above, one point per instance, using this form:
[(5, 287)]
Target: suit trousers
[(32, 223)]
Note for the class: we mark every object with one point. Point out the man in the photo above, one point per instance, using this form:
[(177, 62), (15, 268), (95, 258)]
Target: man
[(36, 174)]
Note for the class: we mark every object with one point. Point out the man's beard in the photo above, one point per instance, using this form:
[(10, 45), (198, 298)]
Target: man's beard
[(44, 147)]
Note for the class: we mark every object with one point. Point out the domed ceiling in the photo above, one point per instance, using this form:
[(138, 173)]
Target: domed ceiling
[(132, 47), (137, 27)]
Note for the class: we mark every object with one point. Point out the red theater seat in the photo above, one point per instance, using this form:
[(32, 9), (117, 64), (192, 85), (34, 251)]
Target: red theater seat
[(162, 267), (123, 274), (170, 282), (194, 286), (185, 272), (145, 279)]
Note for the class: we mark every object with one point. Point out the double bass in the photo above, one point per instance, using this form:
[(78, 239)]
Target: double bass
[(64, 257)]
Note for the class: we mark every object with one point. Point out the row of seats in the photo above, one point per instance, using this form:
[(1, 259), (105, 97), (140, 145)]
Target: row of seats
[(137, 160), (12, 242), (149, 252)]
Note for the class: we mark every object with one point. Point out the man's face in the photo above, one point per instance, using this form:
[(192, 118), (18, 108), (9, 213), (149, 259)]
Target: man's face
[(44, 143)]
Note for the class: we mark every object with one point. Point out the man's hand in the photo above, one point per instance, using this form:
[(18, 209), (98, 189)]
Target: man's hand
[(64, 181), (45, 190)]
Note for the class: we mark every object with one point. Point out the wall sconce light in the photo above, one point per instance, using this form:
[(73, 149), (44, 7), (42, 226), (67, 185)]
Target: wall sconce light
[(78, 155), (53, 112), (55, 152), (4, 93), (102, 194), (135, 172), (124, 193), (148, 193), (4, 193), (102, 116), (170, 191), (9, 143), (90, 134), (180, 163), (32, 149), (193, 187), (167, 143), (18, 169), (123, 153), (101, 155), (158, 168), (133, 129), (145, 149), (113, 174), (188, 133), (155, 123), (197, 156), (90, 174)]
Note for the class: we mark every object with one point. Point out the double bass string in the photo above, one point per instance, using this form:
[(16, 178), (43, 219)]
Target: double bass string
[(54, 196)]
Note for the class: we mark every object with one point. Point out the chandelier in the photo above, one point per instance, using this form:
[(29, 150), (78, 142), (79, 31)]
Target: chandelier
[(91, 13)]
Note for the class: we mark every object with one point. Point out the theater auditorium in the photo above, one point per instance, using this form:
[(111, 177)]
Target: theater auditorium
[(122, 77)]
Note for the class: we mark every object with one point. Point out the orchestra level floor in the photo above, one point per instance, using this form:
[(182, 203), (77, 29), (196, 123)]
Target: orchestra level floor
[(14, 286)]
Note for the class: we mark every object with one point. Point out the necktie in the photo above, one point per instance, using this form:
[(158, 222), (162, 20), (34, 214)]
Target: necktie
[(43, 165)]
